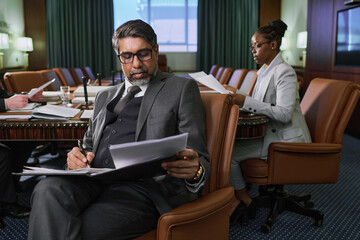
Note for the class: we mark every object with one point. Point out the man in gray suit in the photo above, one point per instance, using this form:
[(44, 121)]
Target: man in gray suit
[(82, 207)]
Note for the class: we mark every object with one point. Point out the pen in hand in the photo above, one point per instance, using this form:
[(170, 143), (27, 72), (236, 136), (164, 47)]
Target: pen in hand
[(83, 152)]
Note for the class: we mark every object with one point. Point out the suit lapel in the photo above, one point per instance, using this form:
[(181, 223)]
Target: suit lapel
[(264, 85), (148, 100)]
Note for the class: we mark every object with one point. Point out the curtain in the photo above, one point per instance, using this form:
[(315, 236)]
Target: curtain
[(225, 29), (79, 34)]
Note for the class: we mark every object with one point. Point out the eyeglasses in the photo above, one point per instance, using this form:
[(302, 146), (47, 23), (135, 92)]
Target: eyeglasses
[(128, 57), (257, 46)]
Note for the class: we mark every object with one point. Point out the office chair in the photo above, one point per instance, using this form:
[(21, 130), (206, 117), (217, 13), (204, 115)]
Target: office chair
[(65, 77), (214, 69), (49, 75), (88, 73), (327, 106), (18, 82), (77, 75), (224, 78), (248, 84), (208, 216), (237, 78)]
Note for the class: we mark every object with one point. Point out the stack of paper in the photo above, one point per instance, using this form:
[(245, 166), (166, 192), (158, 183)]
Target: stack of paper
[(91, 90), (81, 100), (209, 81), (51, 96), (53, 112)]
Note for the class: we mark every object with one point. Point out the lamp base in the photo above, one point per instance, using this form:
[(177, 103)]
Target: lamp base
[(26, 60), (1, 60)]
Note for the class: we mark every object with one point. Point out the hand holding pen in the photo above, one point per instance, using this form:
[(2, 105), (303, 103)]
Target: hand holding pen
[(83, 152)]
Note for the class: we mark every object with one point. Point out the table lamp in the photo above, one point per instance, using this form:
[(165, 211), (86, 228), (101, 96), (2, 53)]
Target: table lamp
[(4, 44), (25, 44), (302, 43)]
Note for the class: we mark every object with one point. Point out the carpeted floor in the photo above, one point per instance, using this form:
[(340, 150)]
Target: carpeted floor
[(338, 202)]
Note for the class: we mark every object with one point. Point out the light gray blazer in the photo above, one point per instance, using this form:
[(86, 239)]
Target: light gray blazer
[(278, 98), (171, 105)]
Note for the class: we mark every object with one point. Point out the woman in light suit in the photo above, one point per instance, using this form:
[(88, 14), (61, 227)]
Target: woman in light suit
[(275, 95)]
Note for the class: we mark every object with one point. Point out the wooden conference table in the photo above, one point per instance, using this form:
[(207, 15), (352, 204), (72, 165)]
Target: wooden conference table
[(43, 129)]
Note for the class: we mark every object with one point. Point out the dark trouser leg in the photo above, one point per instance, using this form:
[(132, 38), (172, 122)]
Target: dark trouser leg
[(122, 212), (7, 188), (57, 204)]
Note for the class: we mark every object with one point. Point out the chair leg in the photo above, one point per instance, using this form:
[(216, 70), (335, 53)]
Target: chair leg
[(279, 200)]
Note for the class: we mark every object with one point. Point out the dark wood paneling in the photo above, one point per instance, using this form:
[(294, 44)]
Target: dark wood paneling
[(269, 11), (320, 61), (35, 27)]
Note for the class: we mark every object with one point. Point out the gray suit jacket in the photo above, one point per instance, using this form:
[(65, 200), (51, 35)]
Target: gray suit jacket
[(279, 99), (171, 105)]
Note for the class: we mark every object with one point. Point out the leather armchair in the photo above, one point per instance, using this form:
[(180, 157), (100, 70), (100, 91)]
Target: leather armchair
[(208, 216), (214, 69), (237, 78), (65, 77), (24, 81), (49, 75), (248, 84), (327, 106), (225, 76)]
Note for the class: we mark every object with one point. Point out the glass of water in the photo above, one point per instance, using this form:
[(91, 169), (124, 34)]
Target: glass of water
[(65, 94)]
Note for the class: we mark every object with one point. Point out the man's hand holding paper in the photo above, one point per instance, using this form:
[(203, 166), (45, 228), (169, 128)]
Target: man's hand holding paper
[(75, 159), (185, 165)]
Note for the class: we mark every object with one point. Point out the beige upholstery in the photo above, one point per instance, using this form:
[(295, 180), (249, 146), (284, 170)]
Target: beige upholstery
[(249, 82), (327, 106), (214, 69), (237, 78), (207, 217), (224, 78)]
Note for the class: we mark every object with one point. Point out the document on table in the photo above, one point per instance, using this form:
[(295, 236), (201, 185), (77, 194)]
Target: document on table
[(86, 114), (132, 160), (11, 116), (35, 91), (54, 112), (28, 108), (81, 100), (209, 81), (91, 90)]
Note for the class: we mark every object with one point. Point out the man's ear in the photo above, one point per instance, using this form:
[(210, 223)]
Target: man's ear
[(157, 50)]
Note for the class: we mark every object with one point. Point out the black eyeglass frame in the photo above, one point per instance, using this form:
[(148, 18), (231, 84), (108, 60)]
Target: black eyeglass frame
[(138, 54)]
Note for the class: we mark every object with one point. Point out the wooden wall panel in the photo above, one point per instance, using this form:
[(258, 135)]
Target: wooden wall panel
[(320, 61), (269, 11), (35, 27)]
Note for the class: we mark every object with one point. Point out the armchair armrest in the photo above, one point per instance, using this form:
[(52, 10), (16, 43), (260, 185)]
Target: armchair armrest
[(204, 218), (292, 163)]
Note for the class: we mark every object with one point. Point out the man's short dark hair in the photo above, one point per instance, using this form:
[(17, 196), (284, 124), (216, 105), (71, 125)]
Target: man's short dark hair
[(134, 28)]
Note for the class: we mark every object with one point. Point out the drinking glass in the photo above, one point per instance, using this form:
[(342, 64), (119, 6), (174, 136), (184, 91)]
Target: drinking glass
[(65, 94)]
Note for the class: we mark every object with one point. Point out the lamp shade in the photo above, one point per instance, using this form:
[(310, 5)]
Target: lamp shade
[(4, 41), (302, 40), (25, 44)]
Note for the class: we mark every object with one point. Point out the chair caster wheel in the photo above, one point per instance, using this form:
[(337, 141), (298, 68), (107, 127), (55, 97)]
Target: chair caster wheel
[(319, 220), (309, 203), (265, 228)]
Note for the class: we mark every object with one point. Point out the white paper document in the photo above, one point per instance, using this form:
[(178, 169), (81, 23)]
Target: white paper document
[(81, 100), (132, 160), (86, 114), (7, 116), (33, 92), (54, 112), (209, 81), (91, 90), (134, 153), (51, 96), (28, 108)]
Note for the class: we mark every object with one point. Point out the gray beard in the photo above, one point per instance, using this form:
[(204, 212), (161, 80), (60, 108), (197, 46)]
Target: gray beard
[(141, 82)]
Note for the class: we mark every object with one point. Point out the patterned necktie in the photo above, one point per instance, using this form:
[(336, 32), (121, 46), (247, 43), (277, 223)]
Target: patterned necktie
[(132, 91)]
